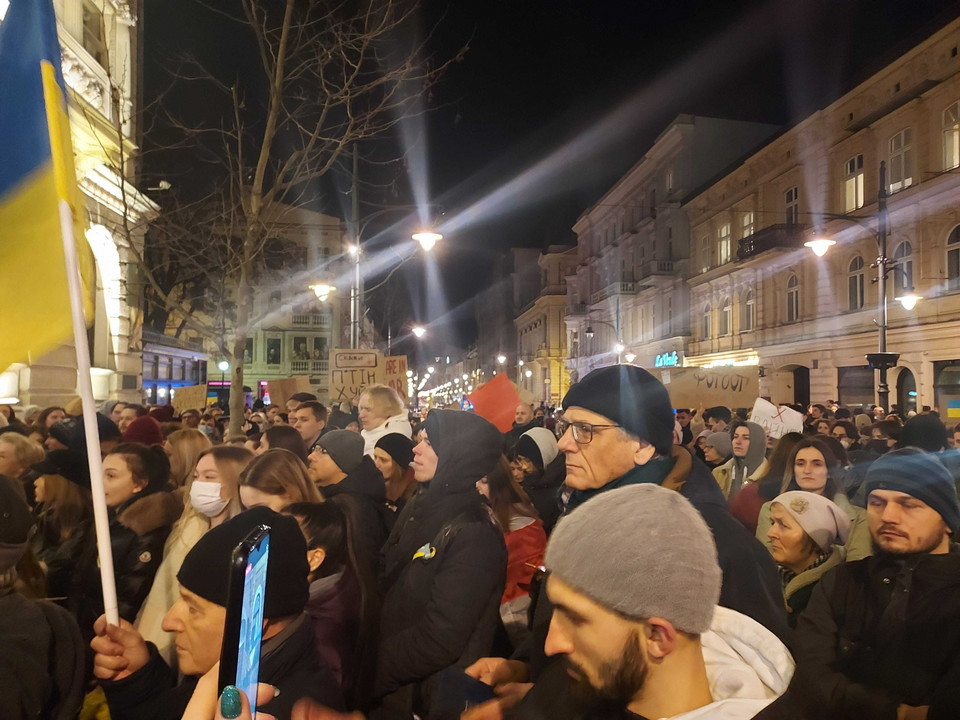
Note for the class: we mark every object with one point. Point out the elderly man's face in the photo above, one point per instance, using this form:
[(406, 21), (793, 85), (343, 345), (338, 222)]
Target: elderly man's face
[(900, 524), (198, 624), (523, 414), (606, 457)]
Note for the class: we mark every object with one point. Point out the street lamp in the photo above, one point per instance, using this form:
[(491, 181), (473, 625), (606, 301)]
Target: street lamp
[(528, 372), (419, 331), (501, 358), (224, 366), (882, 360), (323, 291), (630, 357), (427, 239)]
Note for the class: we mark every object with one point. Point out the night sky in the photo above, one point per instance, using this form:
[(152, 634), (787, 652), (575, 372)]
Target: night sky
[(539, 75)]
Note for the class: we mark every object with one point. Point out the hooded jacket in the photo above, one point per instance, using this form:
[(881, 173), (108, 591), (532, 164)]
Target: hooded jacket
[(395, 424), (736, 472), (444, 569), (363, 497), (747, 668)]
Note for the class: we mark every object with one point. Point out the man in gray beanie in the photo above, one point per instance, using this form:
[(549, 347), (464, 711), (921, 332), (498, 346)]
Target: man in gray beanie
[(636, 624), (880, 637), (618, 431)]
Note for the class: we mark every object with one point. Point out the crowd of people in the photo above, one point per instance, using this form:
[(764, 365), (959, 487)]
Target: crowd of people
[(612, 558)]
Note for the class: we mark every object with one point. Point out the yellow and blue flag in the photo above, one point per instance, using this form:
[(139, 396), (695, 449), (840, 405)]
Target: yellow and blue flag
[(36, 176)]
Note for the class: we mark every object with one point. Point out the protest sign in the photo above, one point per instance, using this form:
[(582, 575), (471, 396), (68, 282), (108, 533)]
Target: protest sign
[(776, 421), (351, 371), (395, 374), (496, 401), (690, 387), (191, 397), (283, 389)]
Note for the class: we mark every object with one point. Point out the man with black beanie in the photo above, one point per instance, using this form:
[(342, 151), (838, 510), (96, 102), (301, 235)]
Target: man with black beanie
[(880, 637), (139, 684), (618, 431)]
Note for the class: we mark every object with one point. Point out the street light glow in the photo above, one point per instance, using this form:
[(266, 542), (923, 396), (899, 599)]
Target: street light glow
[(909, 299), (820, 245), (353, 249), (501, 358), (430, 370), (322, 291), (223, 365), (618, 348), (427, 239), (528, 373), (419, 331), (630, 357)]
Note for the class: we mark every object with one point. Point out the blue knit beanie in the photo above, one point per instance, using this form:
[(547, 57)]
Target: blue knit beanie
[(920, 475)]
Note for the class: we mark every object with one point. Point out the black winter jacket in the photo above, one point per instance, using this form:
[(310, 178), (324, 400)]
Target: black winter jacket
[(879, 632), (138, 531), (289, 661), (362, 496), (444, 570), (544, 491)]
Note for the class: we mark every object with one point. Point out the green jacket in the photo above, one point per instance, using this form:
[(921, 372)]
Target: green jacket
[(797, 593), (859, 544)]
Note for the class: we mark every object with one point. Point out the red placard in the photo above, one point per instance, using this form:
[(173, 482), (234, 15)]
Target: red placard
[(497, 402)]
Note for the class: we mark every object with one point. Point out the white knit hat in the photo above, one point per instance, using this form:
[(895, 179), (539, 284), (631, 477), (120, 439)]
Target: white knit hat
[(642, 551), (822, 519)]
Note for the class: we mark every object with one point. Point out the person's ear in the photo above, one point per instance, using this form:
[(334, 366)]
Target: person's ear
[(643, 453), (315, 558), (661, 637)]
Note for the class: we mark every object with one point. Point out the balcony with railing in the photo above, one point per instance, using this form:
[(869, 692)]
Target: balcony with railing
[(576, 309), (302, 320), (781, 236), (612, 290), (305, 367), (656, 267)]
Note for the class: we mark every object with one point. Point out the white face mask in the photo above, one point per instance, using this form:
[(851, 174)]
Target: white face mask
[(846, 442), (205, 498)]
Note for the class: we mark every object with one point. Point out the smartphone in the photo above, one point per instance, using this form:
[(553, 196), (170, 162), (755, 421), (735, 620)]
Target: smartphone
[(243, 628)]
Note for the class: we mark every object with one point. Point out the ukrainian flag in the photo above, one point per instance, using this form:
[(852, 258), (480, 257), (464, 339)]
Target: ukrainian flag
[(36, 178), (953, 409)]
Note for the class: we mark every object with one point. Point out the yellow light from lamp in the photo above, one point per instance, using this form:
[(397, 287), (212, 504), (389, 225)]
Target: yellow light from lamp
[(909, 299), (419, 331), (322, 291), (820, 245), (630, 357), (427, 239)]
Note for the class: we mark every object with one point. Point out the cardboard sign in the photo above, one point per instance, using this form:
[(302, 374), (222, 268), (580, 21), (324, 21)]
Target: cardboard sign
[(496, 401), (352, 370), (283, 389), (191, 397), (395, 374), (732, 387), (777, 421)]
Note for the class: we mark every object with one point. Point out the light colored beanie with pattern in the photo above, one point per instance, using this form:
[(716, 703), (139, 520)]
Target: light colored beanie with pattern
[(641, 551)]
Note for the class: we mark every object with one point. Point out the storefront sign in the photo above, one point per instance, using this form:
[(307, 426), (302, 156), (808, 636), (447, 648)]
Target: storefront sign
[(667, 360)]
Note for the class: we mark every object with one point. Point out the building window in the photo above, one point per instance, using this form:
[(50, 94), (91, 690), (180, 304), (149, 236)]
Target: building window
[(900, 163), (749, 312), (704, 253), (791, 201), (746, 224), (668, 178), (853, 184), (903, 274), (855, 279), (669, 317), (723, 244), (93, 40), (705, 323), (793, 299), (953, 259), (951, 136), (726, 310)]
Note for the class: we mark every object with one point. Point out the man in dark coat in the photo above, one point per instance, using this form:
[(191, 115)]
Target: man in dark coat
[(138, 683), (618, 431), (351, 479), (523, 420), (444, 567), (880, 637)]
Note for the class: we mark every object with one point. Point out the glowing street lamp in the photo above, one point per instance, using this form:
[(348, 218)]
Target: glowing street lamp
[(427, 239), (820, 245), (419, 331), (430, 370), (630, 357), (528, 373), (501, 358), (323, 291), (909, 299)]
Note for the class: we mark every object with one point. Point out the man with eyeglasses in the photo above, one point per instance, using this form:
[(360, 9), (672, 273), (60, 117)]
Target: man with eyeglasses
[(618, 431)]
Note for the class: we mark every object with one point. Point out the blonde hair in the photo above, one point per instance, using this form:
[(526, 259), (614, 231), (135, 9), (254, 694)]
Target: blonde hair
[(231, 461), (280, 472), (28, 451), (66, 503), (188, 445), (385, 401)]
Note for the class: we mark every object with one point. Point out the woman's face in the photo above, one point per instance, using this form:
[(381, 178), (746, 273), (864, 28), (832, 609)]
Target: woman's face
[(711, 454), (39, 486), (823, 428), (810, 470), (384, 463), (789, 544), (251, 497), (54, 417), (483, 487), (207, 471), (9, 465), (119, 485), (370, 418)]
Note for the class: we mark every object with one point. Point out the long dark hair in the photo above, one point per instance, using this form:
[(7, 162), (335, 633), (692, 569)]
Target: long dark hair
[(772, 479), (832, 486), (147, 464), (288, 438), (506, 496)]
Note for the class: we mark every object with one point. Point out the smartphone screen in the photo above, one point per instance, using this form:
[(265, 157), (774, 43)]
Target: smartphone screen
[(240, 654)]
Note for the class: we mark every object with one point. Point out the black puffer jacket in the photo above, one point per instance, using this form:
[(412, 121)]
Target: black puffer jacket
[(879, 632), (138, 531), (362, 497), (444, 570)]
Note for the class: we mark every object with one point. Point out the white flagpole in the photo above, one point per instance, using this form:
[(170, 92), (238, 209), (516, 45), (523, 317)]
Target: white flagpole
[(100, 516)]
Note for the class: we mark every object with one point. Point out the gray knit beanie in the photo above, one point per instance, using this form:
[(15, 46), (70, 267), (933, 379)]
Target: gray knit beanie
[(721, 442), (344, 447), (641, 551)]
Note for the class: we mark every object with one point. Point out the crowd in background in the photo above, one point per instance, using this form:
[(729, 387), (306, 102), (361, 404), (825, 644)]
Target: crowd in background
[(614, 557)]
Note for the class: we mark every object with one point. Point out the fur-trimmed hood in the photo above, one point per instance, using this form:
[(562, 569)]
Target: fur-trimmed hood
[(145, 513)]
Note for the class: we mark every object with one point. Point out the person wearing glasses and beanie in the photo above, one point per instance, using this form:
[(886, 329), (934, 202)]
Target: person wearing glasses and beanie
[(618, 431)]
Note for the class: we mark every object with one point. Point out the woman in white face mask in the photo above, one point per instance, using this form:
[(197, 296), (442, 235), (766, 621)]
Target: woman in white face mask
[(211, 497)]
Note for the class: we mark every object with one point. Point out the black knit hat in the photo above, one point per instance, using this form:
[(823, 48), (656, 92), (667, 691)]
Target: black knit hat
[(920, 475), (206, 568), (399, 447), (70, 431), (15, 516), (632, 398), (69, 464)]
